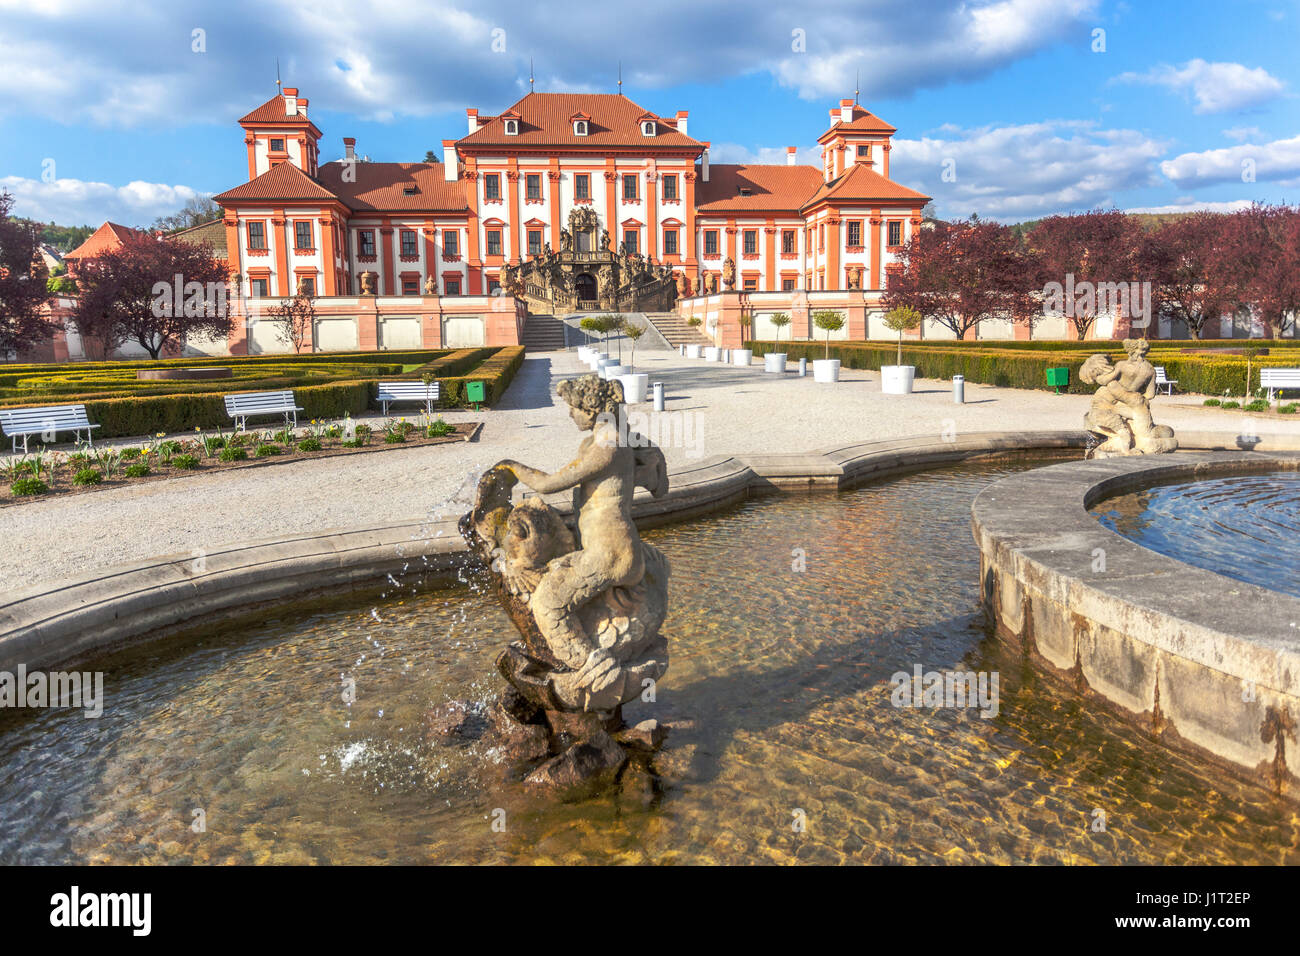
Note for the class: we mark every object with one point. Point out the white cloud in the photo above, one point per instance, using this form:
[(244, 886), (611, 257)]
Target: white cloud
[(1217, 87), (77, 61), (1278, 161), (1243, 133), (77, 202), (1018, 172), (1192, 205)]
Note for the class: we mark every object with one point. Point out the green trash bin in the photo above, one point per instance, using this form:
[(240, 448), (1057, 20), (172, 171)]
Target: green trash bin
[(475, 392), (1058, 378)]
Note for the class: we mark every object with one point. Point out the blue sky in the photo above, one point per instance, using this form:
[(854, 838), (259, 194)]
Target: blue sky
[(1012, 109)]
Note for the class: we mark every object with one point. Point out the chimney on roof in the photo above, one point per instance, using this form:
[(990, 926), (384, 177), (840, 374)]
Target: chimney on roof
[(350, 147), (681, 122), (704, 165), (846, 111), (291, 101), (472, 114), (302, 106), (789, 155), (449, 160)]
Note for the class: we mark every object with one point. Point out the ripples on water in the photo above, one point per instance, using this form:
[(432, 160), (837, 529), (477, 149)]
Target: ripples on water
[(1246, 527), (784, 674)]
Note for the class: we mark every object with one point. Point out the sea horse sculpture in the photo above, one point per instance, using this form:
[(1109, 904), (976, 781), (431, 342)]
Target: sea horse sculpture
[(1120, 415), (588, 605)]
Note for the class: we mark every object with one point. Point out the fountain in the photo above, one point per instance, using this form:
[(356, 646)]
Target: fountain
[(588, 603)]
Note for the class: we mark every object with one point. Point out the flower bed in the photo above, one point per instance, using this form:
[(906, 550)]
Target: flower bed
[(42, 474)]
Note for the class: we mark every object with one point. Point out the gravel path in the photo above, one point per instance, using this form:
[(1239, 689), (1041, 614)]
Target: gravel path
[(723, 411)]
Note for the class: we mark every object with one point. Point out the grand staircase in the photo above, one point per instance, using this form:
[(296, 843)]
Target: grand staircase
[(543, 333), (675, 331)]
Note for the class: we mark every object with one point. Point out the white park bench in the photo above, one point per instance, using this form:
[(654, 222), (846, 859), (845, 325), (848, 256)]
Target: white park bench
[(390, 392), (244, 405), (1162, 382), (1276, 379), (22, 422)]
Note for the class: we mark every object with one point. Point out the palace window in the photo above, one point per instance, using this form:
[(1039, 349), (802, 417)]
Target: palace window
[(277, 146), (670, 242), (307, 285), (534, 242), (670, 187), (450, 242), (492, 186), (864, 151), (257, 235), (494, 242), (787, 285), (751, 285), (257, 288), (512, 127), (582, 186), (302, 236), (854, 233), (750, 242), (408, 244), (533, 186), (711, 242), (493, 284), (579, 127), (895, 233), (629, 185), (410, 286), (366, 242), (821, 237), (630, 240), (451, 285), (787, 241)]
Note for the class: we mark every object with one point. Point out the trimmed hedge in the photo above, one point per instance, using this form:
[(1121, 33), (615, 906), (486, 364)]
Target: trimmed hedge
[(497, 372), (1020, 368)]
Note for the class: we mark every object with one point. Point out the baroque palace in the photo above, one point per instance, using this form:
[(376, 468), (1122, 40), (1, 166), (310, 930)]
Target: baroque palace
[(568, 201)]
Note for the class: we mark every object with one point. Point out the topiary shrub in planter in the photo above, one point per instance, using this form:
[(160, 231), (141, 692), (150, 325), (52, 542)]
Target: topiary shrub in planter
[(87, 476), (897, 379), (29, 486)]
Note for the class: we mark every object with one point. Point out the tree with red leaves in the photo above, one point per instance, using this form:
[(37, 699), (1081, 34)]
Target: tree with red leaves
[(1195, 271), (152, 292), (961, 273), (1098, 247), (23, 279), (1266, 240)]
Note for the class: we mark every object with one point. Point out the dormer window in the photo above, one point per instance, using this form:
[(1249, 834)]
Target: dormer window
[(579, 127), (648, 128), (512, 127), (410, 190)]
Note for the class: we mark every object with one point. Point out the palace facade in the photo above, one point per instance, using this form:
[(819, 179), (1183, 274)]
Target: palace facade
[(568, 201)]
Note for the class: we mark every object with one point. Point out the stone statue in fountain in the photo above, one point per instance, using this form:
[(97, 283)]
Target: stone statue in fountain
[(1120, 415), (588, 601)]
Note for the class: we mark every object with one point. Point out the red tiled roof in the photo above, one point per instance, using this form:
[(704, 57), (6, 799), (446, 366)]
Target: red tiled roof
[(283, 181), (863, 184), (770, 188), (382, 186), (211, 234), (107, 237), (545, 120), (862, 122)]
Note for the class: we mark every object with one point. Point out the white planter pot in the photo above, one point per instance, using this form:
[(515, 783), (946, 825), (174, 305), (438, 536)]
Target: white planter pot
[(711, 353), (721, 356), (826, 370), (635, 386), (742, 357), (609, 372), (774, 362), (584, 353), (693, 351), (595, 358), (897, 379)]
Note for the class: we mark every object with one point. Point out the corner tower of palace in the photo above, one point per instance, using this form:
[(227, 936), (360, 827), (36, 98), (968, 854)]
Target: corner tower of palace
[(567, 200)]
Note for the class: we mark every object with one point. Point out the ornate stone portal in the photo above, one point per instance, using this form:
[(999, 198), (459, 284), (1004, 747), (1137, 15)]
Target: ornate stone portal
[(584, 275), (588, 605), (1120, 416)]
